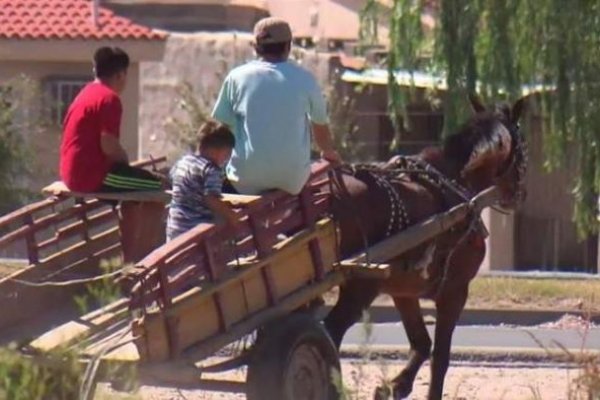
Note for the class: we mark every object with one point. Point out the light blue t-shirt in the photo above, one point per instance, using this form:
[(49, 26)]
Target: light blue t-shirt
[(270, 107)]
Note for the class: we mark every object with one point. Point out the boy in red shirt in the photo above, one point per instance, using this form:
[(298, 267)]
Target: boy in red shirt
[(91, 156)]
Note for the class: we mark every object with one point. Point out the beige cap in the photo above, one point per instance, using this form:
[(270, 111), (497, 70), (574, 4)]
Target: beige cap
[(272, 30)]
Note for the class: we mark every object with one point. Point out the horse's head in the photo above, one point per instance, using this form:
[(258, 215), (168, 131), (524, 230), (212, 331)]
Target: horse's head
[(491, 150)]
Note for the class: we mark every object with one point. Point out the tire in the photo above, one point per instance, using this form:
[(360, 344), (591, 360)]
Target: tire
[(294, 359)]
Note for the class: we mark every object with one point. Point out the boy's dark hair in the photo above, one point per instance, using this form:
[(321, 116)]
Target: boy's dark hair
[(109, 61), (213, 134), (273, 49)]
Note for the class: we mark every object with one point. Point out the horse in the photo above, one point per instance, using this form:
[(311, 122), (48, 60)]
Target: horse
[(373, 202)]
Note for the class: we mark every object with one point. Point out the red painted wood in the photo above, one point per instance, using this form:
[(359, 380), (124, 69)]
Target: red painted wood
[(213, 275)]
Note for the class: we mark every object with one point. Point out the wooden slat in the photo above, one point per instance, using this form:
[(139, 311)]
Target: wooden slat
[(283, 250), (366, 271), (213, 275), (82, 249), (261, 242), (32, 251), (288, 304), (30, 209), (70, 331), (78, 228)]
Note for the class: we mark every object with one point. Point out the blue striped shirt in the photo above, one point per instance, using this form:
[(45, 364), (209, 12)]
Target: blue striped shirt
[(193, 177)]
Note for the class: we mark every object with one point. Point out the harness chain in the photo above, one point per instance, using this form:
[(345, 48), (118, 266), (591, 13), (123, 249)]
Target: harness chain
[(405, 167)]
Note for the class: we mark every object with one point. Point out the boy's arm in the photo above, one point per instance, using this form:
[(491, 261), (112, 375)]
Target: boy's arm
[(111, 112), (111, 147), (218, 206)]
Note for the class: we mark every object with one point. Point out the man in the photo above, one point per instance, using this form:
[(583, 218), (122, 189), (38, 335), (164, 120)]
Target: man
[(91, 156), (272, 105)]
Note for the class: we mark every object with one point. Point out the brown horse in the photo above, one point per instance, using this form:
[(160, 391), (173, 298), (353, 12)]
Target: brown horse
[(371, 203)]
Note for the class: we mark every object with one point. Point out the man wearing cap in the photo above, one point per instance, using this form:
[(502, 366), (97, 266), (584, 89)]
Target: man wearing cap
[(272, 105)]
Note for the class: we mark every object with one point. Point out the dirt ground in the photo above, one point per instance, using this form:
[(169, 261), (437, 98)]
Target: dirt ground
[(463, 382)]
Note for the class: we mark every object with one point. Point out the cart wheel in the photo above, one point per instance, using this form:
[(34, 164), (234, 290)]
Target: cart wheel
[(295, 359)]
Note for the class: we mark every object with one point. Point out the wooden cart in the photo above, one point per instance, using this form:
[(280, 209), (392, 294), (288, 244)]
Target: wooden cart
[(211, 287)]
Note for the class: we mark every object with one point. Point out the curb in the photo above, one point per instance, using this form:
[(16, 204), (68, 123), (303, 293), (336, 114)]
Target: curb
[(373, 352), (471, 316)]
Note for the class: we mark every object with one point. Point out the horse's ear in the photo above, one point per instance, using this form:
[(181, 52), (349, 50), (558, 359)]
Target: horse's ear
[(517, 110), (476, 103)]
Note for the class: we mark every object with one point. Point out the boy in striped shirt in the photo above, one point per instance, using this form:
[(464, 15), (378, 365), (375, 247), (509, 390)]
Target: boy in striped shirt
[(198, 181)]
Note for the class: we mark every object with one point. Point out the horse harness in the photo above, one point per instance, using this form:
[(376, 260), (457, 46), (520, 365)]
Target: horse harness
[(416, 170)]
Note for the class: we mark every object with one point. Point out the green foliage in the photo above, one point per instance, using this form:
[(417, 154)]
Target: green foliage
[(496, 47), (56, 377), (103, 292), (196, 110), (16, 119), (342, 124)]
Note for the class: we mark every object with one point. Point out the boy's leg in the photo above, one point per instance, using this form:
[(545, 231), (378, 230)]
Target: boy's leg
[(125, 178), (141, 223)]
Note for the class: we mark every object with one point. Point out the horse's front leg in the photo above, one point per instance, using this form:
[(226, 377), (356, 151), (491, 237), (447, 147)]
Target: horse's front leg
[(449, 305), (420, 347), (355, 297)]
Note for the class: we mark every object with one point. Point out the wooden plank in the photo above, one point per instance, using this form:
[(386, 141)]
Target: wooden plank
[(239, 200), (32, 251), (243, 294), (287, 304), (81, 250), (365, 271), (78, 228), (426, 230), (30, 209), (59, 189), (263, 249), (70, 331)]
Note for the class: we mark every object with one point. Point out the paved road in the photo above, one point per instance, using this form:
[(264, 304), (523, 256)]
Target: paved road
[(392, 334)]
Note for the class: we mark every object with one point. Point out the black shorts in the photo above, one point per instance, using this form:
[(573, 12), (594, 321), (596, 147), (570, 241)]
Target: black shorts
[(125, 178)]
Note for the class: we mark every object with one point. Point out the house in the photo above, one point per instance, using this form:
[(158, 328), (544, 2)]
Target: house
[(193, 15), (311, 20), (52, 42)]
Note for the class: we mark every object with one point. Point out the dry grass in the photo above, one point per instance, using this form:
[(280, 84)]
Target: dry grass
[(524, 293)]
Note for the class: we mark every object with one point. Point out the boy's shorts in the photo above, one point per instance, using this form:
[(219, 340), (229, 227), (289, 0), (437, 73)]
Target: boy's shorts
[(125, 178)]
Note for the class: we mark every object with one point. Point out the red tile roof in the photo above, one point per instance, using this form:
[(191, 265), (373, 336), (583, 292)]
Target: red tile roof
[(66, 19)]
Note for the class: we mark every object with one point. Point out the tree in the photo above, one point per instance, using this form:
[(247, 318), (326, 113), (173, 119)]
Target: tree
[(17, 119), (497, 47)]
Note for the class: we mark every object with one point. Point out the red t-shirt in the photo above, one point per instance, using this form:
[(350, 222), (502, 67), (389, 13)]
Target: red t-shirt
[(96, 109)]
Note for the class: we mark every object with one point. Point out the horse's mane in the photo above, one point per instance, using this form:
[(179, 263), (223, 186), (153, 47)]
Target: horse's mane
[(474, 137)]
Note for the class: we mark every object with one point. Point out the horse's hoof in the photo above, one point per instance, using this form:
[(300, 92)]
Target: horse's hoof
[(402, 391), (402, 387), (382, 393)]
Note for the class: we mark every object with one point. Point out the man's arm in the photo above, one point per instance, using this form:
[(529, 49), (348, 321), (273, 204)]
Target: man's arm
[(219, 207), (111, 147), (324, 141), (320, 124)]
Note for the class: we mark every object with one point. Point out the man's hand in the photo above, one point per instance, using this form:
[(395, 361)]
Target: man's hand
[(324, 140), (332, 156)]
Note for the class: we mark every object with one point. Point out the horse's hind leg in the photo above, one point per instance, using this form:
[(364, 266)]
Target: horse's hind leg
[(355, 297), (449, 305), (420, 346)]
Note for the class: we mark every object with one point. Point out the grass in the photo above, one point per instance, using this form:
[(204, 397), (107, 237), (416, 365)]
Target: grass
[(570, 295), (522, 293)]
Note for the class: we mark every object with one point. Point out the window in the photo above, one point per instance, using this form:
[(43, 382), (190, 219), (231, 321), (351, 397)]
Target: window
[(62, 92)]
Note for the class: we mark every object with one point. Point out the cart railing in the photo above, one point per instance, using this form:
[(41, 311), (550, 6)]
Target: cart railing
[(207, 257), (61, 238)]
